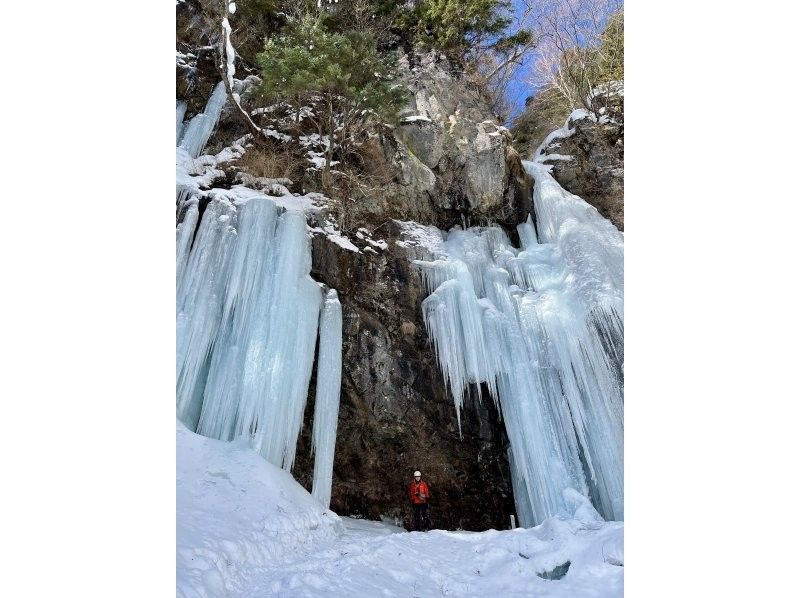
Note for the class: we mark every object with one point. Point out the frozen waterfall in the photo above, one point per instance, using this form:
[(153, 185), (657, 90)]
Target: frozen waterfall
[(247, 315), (542, 327), (247, 319)]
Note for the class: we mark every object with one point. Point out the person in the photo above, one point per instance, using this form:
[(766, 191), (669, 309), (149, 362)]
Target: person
[(420, 494)]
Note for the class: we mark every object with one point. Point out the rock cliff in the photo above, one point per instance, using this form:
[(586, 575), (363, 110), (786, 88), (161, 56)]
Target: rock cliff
[(448, 162), (596, 149)]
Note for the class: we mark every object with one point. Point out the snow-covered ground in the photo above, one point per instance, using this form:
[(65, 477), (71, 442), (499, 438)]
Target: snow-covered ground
[(246, 528)]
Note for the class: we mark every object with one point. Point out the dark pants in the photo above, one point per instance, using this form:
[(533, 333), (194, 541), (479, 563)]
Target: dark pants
[(422, 517)]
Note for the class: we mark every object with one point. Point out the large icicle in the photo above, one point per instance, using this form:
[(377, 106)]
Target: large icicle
[(247, 309), (197, 132), (542, 327), (326, 407), (185, 234), (590, 353), (257, 374), (200, 294)]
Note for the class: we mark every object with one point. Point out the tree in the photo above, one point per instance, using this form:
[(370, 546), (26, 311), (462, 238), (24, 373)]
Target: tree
[(460, 27), (581, 46), (544, 112), (349, 82), (611, 54)]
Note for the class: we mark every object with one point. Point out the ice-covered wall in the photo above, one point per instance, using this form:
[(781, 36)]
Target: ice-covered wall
[(247, 325), (248, 313), (541, 326)]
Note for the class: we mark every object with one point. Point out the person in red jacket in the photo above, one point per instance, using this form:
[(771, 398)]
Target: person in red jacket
[(419, 493)]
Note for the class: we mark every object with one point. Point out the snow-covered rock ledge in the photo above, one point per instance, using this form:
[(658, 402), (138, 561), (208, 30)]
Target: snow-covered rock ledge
[(236, 511)]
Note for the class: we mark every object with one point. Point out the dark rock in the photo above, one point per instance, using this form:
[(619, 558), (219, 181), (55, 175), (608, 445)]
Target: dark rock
[(396, 414), (596, 171), (556, 572)]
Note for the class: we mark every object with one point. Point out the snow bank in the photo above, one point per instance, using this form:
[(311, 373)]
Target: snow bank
[(562, 558), (246, 528), (235, 511)]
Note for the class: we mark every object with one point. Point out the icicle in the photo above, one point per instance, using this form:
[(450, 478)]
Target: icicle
[(326, 407), (202, 125), (180, 113), (521, 494), (229, 53), (261, 365), (200, 295), (185, 233)]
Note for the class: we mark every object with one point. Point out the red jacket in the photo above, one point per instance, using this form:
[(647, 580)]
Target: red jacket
[(422, 488)]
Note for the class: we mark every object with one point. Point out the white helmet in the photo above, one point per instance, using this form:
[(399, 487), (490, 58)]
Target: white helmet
[(417, 474)]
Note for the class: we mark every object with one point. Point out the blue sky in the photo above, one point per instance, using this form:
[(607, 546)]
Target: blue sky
[(518, 89)]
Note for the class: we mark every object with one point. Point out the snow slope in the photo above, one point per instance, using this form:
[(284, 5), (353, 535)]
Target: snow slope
[(246, 528), (236, 511)]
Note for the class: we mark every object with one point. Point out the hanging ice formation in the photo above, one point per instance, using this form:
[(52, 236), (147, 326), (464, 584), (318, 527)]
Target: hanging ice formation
[(326, 406), (542, 328), (194, 136), (247, 319)]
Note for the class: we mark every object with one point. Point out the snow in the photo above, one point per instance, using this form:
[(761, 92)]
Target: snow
[(316, 158), (566, 131), (334, 235), (365, 235), (235, 511), (612, 88), (246, 528), (423, 240), (380, 244), (415, 118), (562, 157), (277, 135)]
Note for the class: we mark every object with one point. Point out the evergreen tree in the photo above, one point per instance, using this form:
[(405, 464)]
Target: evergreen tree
[(351, 82), (457, 27)]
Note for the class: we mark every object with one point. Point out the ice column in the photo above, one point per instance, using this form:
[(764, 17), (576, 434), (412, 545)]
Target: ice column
[(261, 365), (199, 129), (326, 407), (590, 351), (200, 294)]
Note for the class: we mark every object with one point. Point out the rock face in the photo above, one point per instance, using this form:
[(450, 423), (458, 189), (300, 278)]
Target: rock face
[(463, 154), (448, 162), (396, 414), (596, 170), (453, 164)]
